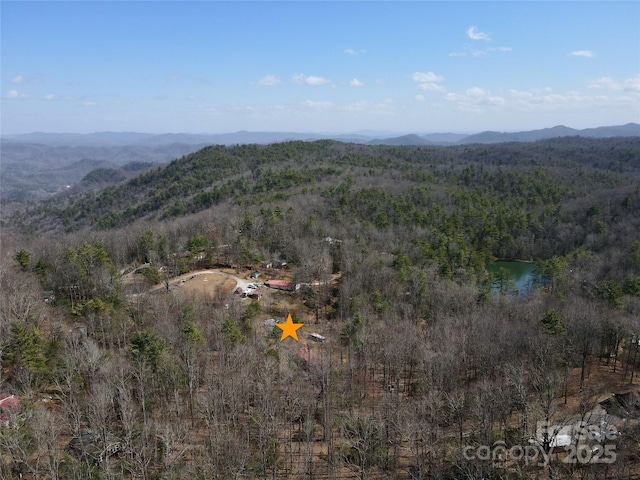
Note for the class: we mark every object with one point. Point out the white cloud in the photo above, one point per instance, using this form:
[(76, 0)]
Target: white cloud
[(420, 98), (432, 87), (50, 97), (311, 80), (351, 51), (554, 102), (356, 83), (476, 92), (629, 85), (474, 34), (427, 81), (632, 84), (89, 104), (470, 50), (268, 81), (475, 99), (610, 95), (33, 80), (427, 77), (622, 96), (14, 94), (582, 53), (604, 82)]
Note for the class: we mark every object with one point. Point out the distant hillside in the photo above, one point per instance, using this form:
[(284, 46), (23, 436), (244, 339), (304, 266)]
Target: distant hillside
[(404, 140), (628, 130), (104, 176), (444, 138), (33, 165), (85, 165), (261, 174), (109, 176), (32, 172), (112, 139)]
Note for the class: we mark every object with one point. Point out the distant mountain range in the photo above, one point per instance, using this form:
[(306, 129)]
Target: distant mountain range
[(257, 176), (113, 139), (36, 165), (119, 139), (628, 130)]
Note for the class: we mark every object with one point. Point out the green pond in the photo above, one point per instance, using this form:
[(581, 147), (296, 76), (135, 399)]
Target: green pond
[(522, 276)]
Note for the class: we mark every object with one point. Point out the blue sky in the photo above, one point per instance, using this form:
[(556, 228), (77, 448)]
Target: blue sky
[(317, 66)]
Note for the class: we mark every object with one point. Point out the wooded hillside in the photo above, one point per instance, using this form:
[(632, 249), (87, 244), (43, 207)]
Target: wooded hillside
[(132, 357)]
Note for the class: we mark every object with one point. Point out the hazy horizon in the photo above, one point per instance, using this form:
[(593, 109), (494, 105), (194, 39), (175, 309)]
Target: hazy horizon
[(365, 132)]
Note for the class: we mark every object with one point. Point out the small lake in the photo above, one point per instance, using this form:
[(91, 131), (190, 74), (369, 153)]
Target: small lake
[(524, 280)]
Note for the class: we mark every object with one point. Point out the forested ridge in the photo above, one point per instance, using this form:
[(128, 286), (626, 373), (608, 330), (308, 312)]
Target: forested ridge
[(123, 372)]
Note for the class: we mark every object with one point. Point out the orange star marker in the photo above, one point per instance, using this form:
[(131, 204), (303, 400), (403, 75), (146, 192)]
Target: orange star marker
[(289, 328)]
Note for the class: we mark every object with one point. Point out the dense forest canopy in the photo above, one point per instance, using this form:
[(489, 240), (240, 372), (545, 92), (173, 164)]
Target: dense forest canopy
[(123, 371)]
